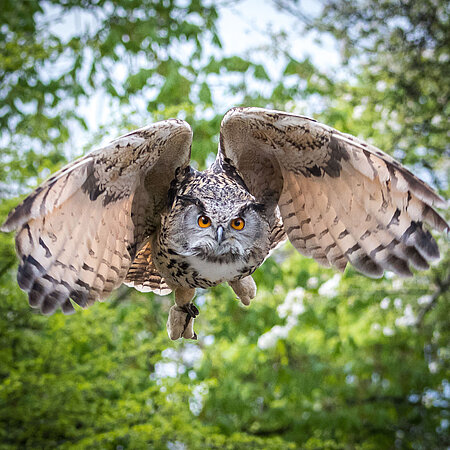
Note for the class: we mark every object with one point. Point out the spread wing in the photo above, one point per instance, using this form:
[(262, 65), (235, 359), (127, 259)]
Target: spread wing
[(78, 233), (341, 200)]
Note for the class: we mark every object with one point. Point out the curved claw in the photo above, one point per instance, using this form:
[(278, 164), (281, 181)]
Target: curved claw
[(191, 310), (181, 321)]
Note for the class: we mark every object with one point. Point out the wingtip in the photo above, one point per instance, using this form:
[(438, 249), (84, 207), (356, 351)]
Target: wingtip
[(440, 202), (428, 195), (6, 226), (15, 220)]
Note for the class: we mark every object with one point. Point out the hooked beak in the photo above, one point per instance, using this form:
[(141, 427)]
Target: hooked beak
[(219, 234)]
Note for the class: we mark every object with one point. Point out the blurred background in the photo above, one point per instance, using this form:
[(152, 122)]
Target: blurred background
[(319, 360)]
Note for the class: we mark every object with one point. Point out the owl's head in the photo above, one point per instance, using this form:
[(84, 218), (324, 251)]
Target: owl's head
[(218, 223)]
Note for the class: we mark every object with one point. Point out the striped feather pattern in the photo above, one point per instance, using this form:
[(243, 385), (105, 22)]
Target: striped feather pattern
[(62, 259), (342, 200), (143, 274), (78, 231)]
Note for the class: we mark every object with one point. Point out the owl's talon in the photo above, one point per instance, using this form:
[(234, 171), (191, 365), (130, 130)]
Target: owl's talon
[(191, 310), (194, 337), (181, 321), (245, 289)]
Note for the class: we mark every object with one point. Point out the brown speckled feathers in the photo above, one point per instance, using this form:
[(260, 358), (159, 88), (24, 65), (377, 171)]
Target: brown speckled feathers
[(341, 199), (143, 275), (79, 231), (92, 225)]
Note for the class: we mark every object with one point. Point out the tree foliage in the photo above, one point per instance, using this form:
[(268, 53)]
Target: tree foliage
[(318, 360)]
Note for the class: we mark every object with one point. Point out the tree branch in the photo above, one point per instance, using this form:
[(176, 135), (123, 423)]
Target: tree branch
[(442, 286)]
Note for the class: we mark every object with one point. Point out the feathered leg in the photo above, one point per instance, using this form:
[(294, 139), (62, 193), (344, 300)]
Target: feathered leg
[(244, 288), (182, 315)]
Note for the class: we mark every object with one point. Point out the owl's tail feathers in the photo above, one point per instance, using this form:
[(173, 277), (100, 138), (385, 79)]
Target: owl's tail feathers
[(143, 275)]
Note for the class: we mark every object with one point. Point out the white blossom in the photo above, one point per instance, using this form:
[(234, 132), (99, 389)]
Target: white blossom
[(269, 339), (408, 317), (293, 303), (425, 300), (433, 367), (384, 304), (196, 400), (290, 309), (165, 369), (329, 288), (398, 303)]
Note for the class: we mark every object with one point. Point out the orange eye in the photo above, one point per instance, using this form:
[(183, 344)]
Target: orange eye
[(238, 223), (204, 222)]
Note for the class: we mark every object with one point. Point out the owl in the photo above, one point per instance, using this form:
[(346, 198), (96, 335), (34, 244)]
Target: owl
[(135, 212)]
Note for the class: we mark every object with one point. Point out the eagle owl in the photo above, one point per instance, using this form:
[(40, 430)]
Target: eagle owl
[(135, 212)]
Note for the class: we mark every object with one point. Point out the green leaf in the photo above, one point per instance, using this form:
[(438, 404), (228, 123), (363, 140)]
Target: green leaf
[(205, 94)]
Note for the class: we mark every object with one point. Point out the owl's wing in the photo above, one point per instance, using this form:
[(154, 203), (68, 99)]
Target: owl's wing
[(341, 200), (78, 233)]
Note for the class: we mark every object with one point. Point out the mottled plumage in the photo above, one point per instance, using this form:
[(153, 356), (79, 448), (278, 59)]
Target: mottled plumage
[(136, 212), (192, 257)]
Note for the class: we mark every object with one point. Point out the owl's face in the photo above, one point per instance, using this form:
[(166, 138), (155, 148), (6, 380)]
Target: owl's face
[(215, 231), (218, 231), (227, 234)]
